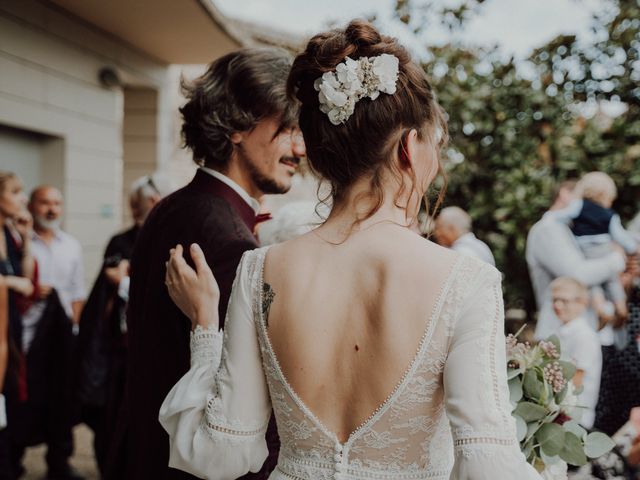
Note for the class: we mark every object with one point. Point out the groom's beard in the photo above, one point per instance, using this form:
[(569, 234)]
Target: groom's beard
[(267, 185)]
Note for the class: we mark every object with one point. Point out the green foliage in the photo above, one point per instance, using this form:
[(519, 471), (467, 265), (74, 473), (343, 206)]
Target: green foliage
[(551, 438), (573, 451), (513, 138), (530, 412), (546, 419), (597, 444)]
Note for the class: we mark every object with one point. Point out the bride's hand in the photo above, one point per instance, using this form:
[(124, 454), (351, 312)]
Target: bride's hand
[(195, 292)]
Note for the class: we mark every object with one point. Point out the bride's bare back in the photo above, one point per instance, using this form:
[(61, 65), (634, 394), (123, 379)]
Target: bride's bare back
[(346, 320)]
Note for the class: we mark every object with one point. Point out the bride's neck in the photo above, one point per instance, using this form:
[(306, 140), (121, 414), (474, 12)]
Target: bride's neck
[(350, 213)]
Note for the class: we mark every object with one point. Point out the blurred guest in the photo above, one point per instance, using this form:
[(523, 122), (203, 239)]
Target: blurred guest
[(619, 392), (579, 342), (552, 251), (453, 230), (5, 456), (102, 345), (46, 334), (59, 258), (597, 227), (14, 257)]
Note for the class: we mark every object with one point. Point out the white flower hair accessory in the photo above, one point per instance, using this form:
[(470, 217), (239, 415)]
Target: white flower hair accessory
[(355, 79)]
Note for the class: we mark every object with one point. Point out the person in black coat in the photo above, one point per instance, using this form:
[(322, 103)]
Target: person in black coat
[(101, 356), (242, 130)]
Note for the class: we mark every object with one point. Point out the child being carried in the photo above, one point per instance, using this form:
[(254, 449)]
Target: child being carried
[(597, 227)]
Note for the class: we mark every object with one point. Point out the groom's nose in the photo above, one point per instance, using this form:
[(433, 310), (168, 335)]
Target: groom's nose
[(298, 147)]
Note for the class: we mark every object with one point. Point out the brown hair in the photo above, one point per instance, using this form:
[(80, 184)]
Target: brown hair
[(559, 187), (4, 178), (236, 92), (364, 145)]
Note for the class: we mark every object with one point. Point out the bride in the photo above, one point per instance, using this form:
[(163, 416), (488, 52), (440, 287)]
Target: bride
[(381, 354)]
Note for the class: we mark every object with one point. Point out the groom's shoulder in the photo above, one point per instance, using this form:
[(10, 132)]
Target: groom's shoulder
[(189, 204)]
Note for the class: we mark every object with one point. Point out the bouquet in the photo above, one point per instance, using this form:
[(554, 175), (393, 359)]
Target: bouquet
[(546, 409)]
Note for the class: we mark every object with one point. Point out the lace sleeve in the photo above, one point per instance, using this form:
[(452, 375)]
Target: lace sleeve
[(217, 414), (476, 391)]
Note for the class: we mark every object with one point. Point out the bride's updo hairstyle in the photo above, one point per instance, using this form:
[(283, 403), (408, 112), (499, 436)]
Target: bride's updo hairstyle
[(370, 140)]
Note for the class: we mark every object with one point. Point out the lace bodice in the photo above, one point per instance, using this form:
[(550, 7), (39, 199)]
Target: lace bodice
[(447, 417)]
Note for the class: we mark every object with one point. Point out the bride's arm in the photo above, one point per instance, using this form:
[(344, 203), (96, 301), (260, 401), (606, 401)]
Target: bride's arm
[(217, 414), (476, 391)]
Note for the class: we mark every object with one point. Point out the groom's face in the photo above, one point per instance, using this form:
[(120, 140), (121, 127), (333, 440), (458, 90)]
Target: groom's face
[(271, 155)]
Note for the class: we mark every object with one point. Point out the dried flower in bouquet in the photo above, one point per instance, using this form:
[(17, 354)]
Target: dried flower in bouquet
[(546, 407)]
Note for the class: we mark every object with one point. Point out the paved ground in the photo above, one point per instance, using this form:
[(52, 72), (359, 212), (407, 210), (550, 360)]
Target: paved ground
[(82, 460)]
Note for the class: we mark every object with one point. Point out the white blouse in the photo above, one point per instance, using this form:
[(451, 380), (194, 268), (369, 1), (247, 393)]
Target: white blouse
[(448, 418)]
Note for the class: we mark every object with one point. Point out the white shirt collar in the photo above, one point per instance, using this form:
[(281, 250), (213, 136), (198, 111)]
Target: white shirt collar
[(252, 202)]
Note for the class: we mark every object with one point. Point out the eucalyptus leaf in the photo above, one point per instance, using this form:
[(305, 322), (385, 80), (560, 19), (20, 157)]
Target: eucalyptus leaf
[(515, 390), (530, 411), (575, 428), (573, 451), (532, 428), (550, 436), (514, 372), (560, 396), (568, 369), (521, 428), (597, 444), (527, 450), (532, 385)]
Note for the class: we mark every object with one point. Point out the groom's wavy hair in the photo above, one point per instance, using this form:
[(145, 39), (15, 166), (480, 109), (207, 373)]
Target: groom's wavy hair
[(236, 92), (370, 140)]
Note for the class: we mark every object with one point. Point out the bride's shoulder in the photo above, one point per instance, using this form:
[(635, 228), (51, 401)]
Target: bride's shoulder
[(465, 268)]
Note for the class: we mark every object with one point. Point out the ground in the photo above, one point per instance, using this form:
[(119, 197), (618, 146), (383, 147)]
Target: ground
[(82, 459)]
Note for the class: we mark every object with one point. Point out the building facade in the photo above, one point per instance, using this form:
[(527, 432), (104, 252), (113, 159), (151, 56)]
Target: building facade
[(88, 99)]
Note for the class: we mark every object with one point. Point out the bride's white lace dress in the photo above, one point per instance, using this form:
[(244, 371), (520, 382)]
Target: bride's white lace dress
[(447, 418)]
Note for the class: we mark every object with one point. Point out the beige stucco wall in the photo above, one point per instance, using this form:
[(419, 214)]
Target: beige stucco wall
[(92, 141), (49, 63)]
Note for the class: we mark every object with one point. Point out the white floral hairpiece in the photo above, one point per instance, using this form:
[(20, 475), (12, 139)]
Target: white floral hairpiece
[(355, 79)]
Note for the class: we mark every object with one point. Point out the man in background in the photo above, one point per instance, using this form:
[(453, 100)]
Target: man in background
[(453, 230), (46, 335), (551, 252), (102, 351)]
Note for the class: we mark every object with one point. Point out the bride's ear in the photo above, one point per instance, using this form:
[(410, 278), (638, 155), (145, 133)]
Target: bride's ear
[(409, 148), (414, 154)]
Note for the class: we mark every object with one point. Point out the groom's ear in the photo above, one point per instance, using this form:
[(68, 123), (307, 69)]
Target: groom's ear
[(236, 137)]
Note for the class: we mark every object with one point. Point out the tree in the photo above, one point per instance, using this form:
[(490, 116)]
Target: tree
[(513, 137)]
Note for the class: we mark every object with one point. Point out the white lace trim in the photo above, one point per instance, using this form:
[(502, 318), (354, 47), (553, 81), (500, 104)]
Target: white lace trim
[(206, 346)]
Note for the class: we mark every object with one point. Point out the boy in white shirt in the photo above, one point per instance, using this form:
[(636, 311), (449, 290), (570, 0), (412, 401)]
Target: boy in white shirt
[(578, 341)]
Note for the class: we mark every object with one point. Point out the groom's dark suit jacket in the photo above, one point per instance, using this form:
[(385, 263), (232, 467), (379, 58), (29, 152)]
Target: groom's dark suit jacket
[(208, 212)]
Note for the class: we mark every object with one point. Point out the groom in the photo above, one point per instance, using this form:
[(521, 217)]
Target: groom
[(242, 131)]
